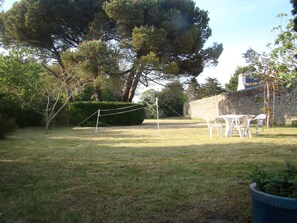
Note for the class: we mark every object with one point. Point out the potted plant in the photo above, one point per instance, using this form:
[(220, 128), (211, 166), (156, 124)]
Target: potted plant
[(274, 195)]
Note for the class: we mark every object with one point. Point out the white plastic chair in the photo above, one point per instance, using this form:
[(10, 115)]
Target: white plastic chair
[(242, 125), (212, 125), (260, 122)]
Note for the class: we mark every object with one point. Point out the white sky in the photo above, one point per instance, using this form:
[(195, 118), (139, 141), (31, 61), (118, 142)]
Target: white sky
[(238, 25)]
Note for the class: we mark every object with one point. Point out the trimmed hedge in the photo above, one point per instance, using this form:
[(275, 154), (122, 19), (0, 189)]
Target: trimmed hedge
[(111, 113)]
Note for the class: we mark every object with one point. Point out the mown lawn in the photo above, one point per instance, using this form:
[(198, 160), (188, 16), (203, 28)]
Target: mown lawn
[(130, 174)]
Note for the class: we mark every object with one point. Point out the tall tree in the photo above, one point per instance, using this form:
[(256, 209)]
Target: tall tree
[(157, 38), (211, 87), (50, 27), (161, 37), (98, 62)]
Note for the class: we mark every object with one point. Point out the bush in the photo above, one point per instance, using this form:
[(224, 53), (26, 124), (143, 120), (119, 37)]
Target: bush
[(279, 182), (7, 126), (111, 113), (11, 108)]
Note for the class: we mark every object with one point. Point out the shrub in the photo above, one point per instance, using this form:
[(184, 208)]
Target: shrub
[(11, 108), (7, 126), (279, 182), (111, 113)]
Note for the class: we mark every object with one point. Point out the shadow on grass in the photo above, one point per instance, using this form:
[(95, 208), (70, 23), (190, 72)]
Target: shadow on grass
[(77, 176), (280, 135)]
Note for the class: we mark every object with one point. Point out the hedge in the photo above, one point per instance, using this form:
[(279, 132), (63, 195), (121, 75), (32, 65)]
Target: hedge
[(111, 113)]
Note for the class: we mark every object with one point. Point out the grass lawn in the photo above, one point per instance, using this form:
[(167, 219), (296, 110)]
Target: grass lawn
[(130, 174)]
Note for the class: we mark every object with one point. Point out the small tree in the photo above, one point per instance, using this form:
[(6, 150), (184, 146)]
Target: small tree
[(27, 80), (57, 95), (278, 67), (148, 98)]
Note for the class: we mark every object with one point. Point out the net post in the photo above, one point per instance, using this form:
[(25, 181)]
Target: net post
[(157, 108), (97, 121)]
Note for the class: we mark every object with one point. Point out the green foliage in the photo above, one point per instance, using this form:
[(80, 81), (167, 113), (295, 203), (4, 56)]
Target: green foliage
[(53, 26), (172, 98), (111, 113), (98, 63), (19, 74), (11, 108), (19, 77), (277, 182), (174, 31), (7, 126), (192, 90), (210, 88), (88, 95), (156, 39), (148, 98)]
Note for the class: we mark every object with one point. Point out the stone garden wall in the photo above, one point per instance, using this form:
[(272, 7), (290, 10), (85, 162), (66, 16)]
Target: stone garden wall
[(245, 102)]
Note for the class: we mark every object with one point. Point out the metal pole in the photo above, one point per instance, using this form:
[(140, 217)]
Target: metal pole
[(158, 124), (97, 121)]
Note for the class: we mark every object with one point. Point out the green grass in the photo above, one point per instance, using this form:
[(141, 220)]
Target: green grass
[(130, 174)]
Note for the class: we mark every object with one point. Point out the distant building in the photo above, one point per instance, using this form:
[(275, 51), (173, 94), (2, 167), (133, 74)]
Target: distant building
[(245, 82)]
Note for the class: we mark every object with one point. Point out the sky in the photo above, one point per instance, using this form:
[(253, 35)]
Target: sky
[(238, 25)]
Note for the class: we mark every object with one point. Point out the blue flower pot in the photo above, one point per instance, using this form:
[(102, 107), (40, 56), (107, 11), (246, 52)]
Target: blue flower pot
[(267, 208)]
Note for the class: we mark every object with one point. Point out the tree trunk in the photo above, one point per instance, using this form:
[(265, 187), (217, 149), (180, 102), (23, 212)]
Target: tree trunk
[(47, 123), (134, 85), (268, 103), (98, 93), (273, 102), (128, 85)]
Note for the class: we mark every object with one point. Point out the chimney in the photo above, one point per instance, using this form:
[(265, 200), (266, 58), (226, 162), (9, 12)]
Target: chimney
[(241, 82)]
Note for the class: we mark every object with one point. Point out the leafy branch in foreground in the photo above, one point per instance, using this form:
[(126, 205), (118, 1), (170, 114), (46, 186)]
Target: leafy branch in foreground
[(277, 182)]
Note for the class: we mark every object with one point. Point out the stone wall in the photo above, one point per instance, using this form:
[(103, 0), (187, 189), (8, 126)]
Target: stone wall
[(244, 102)]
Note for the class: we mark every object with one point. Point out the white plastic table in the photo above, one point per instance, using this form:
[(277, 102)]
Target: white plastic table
[(229, 120)]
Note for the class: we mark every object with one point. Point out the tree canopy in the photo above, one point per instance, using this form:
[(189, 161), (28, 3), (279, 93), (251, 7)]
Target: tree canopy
[(165, 36), (211, 87), (156, 39)]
